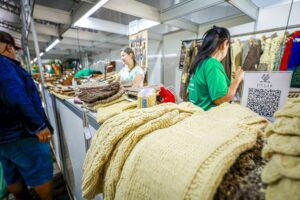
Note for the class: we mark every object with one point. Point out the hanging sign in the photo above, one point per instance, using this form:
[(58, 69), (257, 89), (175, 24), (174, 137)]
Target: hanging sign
[(266, 92)]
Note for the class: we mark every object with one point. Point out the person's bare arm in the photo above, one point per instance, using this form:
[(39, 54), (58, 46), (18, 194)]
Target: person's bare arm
[(239, 76), (137, 80)]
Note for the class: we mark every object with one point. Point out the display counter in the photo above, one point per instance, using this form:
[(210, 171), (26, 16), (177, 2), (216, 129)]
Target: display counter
[(73, 129)]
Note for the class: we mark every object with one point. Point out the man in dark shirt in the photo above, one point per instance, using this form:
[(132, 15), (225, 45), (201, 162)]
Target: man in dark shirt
[(24, 129)]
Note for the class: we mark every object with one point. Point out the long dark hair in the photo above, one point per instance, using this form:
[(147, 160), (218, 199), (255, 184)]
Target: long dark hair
[(212, 39), (129, 51)]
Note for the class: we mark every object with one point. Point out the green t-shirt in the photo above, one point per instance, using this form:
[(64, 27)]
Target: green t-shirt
[(209, 83), (84, 72)]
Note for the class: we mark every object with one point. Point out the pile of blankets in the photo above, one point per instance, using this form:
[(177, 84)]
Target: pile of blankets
[(94, 96), (282, 172), (168, 151)]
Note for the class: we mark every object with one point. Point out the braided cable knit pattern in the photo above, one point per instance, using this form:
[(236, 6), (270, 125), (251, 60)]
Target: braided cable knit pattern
[(111, 132), (188, 160)]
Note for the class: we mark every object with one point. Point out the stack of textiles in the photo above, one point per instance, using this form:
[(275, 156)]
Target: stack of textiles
[(168, 151), (104, 113), (282, 172), (101, 95)]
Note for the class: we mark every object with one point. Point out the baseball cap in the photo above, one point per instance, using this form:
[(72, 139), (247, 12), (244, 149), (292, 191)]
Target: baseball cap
[(8, 39)]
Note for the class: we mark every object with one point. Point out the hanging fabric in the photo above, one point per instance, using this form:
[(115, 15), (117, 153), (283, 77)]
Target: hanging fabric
[(190, 48), (252, 59), (294, 59), (287, 51), (226, 62), (236, 55)]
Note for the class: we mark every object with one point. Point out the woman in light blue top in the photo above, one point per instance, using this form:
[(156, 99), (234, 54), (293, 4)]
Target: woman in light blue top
[(131, 73)]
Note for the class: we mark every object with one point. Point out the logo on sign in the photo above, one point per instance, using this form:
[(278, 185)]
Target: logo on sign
[(265, 78)]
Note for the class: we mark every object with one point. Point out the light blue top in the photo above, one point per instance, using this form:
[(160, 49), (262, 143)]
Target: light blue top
[(127, 76)]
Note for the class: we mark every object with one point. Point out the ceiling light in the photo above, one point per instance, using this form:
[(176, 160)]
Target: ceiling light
[(52, 45), (91, 11)]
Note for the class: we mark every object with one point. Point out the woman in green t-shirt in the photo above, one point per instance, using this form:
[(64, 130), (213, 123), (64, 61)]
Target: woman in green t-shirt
[(209, 85)]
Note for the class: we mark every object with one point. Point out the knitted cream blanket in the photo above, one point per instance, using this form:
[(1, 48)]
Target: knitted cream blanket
[(138, 122), (188, 159), (107, 112)]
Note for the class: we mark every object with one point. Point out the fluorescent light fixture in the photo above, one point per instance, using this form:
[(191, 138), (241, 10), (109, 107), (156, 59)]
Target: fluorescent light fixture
[(91, 11), (52, 45), (35, 59), (139, 25), (41, 54)]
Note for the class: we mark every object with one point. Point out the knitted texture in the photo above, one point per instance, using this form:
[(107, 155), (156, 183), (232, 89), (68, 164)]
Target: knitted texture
[(93, 106), (282, 172), (124, 148), (102, 105), (281, 166), (284, 144), (101, 93), (291, 109), (284, 189), (110, 134), (285, 126), (188, 159), (105, 113)]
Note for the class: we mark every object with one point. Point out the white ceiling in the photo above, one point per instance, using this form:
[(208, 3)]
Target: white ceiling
[(265, 3), (117, 14)]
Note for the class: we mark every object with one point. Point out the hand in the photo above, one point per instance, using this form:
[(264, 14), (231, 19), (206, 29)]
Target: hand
[(44, 135), (239, 74)]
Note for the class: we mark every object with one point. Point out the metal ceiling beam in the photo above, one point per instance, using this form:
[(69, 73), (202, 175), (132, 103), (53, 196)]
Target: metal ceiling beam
[(134, 8), (183, 24), (46, 30), (104, 25), (65, 40), (84, 35), (246, 6), (231, 22), (9, 16), (51, 14), (41, 38), (187, 7), (10, 7)]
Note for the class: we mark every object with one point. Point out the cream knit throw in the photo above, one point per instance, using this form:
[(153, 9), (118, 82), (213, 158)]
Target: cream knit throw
[(281, 166), (112, 131), (107, 112), (285, 126), (291, 109), (282, 172), (101, 105), (285, 189), (188, 159), (283, 144)]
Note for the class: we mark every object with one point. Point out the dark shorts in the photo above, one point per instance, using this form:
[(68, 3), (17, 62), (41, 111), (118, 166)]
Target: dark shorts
[(26, 159)]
